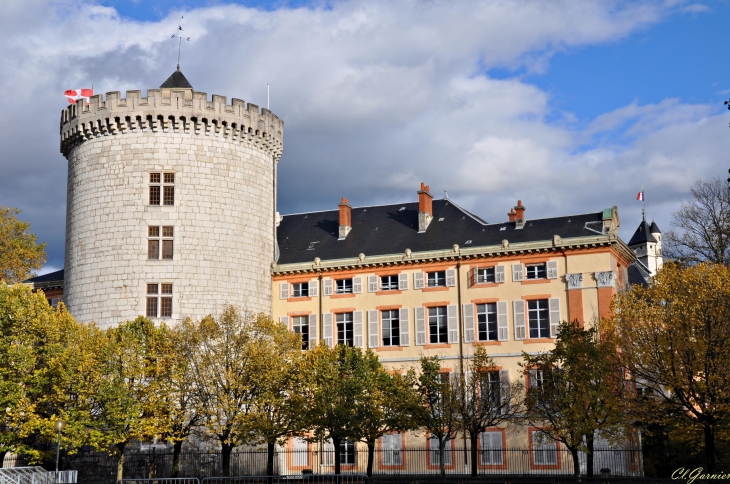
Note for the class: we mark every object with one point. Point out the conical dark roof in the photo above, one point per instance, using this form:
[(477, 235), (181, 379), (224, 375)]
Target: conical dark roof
[(176, 80), (642, 234), (655, 228)]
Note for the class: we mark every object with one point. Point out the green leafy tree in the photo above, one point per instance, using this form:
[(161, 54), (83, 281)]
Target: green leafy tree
[(20, 254), (576, 390), (440, 403)]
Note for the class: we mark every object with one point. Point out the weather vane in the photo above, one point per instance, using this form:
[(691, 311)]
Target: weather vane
[(180, 36)]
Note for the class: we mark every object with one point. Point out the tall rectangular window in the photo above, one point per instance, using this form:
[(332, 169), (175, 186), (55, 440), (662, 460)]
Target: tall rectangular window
[(160, 238), (391, 327), (539, 318), (153, 242), (300, 325), (438, 325), (166, 301), (159, 301), (544, 449), (489, 386), (300, 451), (162, 189), (154, 188), (152, 297), (487, 321), (434, 454), (345, 329), (491, 448), (392, 449), (347, 452)]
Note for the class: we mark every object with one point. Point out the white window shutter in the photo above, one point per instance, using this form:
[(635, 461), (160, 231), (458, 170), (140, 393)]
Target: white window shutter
[(327, 329), (451, 277), (452, 314), (283, 290), (372, 283), (313, 288), (499, 274), (418, 280), (468, 311), (327, 287), (502, 321), (357, 341), (312, 331), (420, 326), (519, 317), (373, 333), (357, 285), (552, 269), (403, 281), (285, 321), (505, 392), (405, 335), (554, 306), (518, 272)]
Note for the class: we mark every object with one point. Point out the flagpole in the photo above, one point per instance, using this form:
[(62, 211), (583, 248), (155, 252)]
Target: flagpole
[(643, 202)]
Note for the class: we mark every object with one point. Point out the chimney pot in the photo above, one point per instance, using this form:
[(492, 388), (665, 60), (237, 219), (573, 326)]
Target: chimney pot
[(519, 214), (345, 218), (425, 207), (512, 215)]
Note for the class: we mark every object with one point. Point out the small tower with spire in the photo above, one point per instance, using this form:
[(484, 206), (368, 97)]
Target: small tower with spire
[(647, 245)]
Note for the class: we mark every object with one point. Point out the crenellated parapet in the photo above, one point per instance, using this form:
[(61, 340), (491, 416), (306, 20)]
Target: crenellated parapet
[(171, 112)]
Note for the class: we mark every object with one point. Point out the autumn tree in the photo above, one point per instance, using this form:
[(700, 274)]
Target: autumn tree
[(485, 398), (703, 226), (20, 254), (674, 338), (575, 390), (440, 402)]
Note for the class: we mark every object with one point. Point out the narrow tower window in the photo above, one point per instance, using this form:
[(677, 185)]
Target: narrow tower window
[(160, 238), (154, 188)]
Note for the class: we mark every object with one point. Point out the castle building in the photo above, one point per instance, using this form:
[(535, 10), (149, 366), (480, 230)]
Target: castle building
[(646, 243)]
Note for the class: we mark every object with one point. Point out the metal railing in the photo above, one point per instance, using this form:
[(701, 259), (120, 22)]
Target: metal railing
[(290, 479)]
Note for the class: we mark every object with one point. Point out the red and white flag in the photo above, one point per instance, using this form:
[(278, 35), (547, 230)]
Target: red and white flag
[(74, 95), (640, 196)]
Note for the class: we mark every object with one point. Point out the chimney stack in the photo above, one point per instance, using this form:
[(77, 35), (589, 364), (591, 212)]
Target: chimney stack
[(512, 215), (519, 215), (425, 207), (345, 218)]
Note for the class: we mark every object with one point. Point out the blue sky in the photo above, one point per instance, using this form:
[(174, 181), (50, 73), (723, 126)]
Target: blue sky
[(569, 106)]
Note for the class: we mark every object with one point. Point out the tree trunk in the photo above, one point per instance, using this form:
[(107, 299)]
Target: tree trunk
[(226, 450), (710, 447), (576, 462), (120, 462), (3, 453), (473, 452), (589, 458), (336, 443), (270, 458), (176, 450), (371, 456), (442, 453)]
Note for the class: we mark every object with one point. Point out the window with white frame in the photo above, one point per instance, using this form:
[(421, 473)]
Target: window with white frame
[(390, 323), (347, 452), (300, 289), (392, 449), (485, 275), (300, 452), (487, 322), (433, 454), (490, 386), (343, 286), (536, 271), (162, 189), (544, 449), (491, 445), (436, 279), (160, 238), (159, 301), (388, 283), (345, 329), (538, 316), (300, 325), (438, 328)]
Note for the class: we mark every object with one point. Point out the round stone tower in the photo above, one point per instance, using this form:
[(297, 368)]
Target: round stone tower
[(171, 204)]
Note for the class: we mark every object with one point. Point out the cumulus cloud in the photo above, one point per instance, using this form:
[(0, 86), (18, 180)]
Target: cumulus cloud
[(376, 96)]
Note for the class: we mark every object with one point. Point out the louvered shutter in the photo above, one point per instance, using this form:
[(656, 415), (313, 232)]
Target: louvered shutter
[(502, 321), (403, 281), (468, 310), (285, 321), (327, 287), (313, 288), (373, 333), (420, 314), (519, 317), (284, 290), (554, 306), (452, 314), (505, 393), (418, 280), (357, 341), (518, 272), (357, 285), (552, 269), (473, 276), (405, 335), (372, 283), (499, 274), (312, 331), (451, 277), (327, 329)]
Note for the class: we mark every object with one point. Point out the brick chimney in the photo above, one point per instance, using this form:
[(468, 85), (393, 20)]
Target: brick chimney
[(345, 218), (425, 208), (519, 215), (512, 215)]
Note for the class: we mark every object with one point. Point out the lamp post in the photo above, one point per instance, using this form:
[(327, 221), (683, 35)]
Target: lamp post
[(60, 424)]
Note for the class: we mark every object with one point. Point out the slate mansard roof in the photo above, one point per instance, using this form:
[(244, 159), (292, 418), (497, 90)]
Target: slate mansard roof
[(391, 229)]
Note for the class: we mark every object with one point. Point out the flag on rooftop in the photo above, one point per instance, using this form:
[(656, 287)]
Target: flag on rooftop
[(640, 196), (74, 95)]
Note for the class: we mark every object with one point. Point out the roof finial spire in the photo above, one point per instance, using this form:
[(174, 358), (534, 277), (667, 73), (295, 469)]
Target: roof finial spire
[(180, 37)]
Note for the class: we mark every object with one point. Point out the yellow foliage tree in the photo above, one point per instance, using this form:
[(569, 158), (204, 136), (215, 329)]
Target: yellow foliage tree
[(20, 254)]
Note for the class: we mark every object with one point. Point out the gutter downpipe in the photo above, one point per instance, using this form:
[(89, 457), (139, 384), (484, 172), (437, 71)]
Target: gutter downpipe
[(461, 348)]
